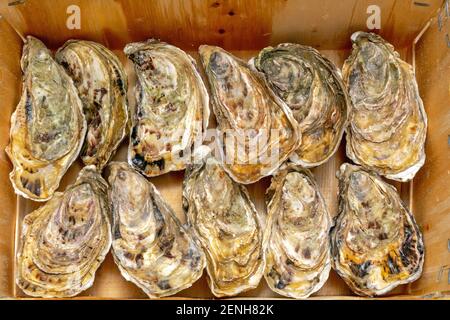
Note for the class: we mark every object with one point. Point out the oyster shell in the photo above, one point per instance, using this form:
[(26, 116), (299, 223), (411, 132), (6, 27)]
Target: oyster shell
[(298, 258), (102, 86), (65, 241), (388, 123), (257, 131), (376, 243), (47, 127), (172, 107), (312, 87), (227, 225), (150, 246)]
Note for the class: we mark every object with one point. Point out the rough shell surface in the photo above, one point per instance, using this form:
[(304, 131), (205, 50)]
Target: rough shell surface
[(388, 123), (65, 241), (150, 246), (102, 86), (376, 243), (47, 127), (312, 87), (227, 226), (256, 130), (298, 259), (172, 108)]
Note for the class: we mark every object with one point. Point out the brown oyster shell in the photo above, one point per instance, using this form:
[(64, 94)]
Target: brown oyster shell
[(65, 241), (172, 108), (227, 226), (102, 86), (256, 130), (376, 243), (150, 246), (47, 127), (312, 87), (388, 122)]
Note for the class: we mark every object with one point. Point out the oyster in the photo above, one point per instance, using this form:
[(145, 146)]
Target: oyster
[(298, 258), (376, 243), (65, 241), (172, 108), (227, 225), (150, 246), (257, 131), (388, 123), (47, 127), (102, 86), (312, 87)]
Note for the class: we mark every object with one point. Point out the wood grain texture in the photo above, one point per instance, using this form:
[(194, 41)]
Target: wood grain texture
[(431, 202), (233, 24)]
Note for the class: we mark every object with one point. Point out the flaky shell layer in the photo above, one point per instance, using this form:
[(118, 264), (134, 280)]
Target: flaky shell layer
[(227, 226), (150, 246), (256, 130), (388, 122), (64, 242), (172, 108), (102, 86), (47, 127), (312, 87), (376, 243), (298, 258)]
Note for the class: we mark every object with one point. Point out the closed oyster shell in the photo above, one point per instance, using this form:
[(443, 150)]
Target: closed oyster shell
[(47, 127), (257, 131), (227, 225), (376, 243), (388, 123), (298, 259), (172, 108), (65, 241), (102, 86), (150, 246), (312, 87)]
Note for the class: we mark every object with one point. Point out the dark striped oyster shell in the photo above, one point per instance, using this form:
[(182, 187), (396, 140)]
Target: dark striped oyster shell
[(65, 241), (150, 246), (257, 131), (47, 127), (102, 86), (172, 108), (388, 123), (312, 87), (298, 259), (227, 225), (376, 243)]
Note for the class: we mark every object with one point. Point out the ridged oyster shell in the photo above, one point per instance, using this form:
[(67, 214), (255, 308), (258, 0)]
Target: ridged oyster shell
[(172, 107), (388, 123), (102, 86), (312, 87), (65, 241), (47, 127), (298, 259), (150, 246), (227, 225), (257, 131), (376, 243)]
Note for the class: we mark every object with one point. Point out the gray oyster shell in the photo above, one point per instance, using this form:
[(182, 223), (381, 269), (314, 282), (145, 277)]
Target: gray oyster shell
[(102, 86), (256, 130), (150, 246), (172, 108), (312, 87), (227, 226), (47, 127), (388, 122), (376, 243), (298, 258), (65, 240)]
